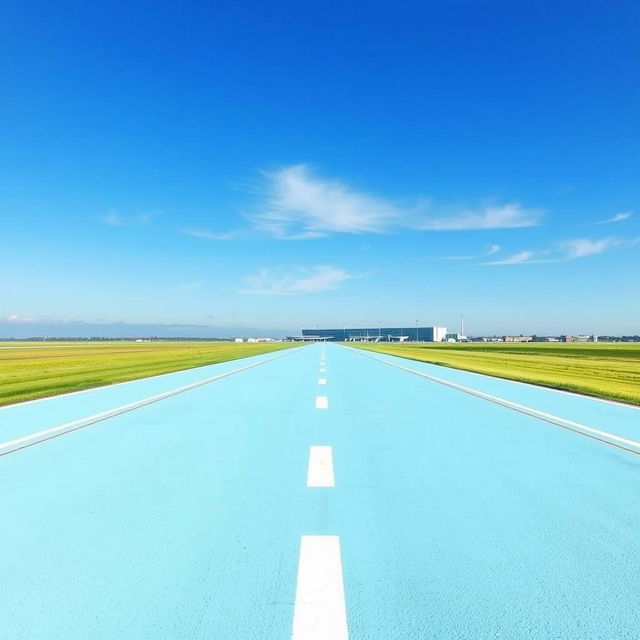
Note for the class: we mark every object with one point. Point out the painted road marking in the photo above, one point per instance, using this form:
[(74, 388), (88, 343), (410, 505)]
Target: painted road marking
[(322, 402), (320, 610), (322, 381), (47, 434), (606, 437), (320, 471), (323, 370)]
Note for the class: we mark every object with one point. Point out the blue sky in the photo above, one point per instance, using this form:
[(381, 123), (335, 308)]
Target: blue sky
[(263, 167)]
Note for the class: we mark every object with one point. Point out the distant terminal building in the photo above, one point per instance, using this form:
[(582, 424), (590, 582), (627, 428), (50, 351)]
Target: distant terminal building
[(377, 334), (455, 337)]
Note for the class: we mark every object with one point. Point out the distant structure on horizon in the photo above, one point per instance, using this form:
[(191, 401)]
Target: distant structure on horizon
[(376, 334), (522, 338)]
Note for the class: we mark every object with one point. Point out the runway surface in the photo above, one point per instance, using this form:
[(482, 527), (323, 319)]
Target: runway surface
[(320, 493)]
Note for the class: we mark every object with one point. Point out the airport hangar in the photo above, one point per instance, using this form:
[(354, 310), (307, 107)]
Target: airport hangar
[(377, 334)]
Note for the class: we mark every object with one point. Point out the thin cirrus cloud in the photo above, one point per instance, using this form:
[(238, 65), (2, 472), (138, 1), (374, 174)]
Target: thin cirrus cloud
[(582, 247), (490, 250), (18, 319), (205, 234), (517, 258), (302, 280), (509, 216), (562, 252), (619, 217), (300, 205), (114, 219)]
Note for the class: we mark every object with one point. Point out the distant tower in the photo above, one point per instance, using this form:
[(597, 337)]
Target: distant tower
[(462, 324)]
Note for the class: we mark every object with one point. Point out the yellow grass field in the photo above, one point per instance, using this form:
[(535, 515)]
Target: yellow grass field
[(40, 369), (605, 370)]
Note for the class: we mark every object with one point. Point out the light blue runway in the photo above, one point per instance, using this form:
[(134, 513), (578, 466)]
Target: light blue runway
[(458, 518)]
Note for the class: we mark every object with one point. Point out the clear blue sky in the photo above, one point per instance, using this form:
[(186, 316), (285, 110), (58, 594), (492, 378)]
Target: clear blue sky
[(277, 165)]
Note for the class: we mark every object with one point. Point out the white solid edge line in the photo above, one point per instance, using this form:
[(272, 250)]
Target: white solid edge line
[(542, 387), (110, 413), (549, 417), (322, 381), (320, 470), (322, 402), (320, 611)]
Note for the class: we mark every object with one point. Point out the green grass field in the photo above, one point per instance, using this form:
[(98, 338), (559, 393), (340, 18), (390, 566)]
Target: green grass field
[(606, 370), (36, 370)]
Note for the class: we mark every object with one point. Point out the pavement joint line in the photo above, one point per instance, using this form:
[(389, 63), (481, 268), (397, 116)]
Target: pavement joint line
[(320, 610), (632, 446), (69, 427), (320, 469)]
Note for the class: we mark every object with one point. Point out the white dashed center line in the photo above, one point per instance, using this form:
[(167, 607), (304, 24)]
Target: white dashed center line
[(322, 381), (320, 611), (320, 471), (322, 402)]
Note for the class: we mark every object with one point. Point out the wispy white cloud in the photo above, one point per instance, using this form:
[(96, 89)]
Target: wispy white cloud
[(561, 252), (521, 257), (582, 247), (489, 251), (270, 282), (18, 319), (509, 216), (208, 235), (299, 205), (619, 217), (114, 219)]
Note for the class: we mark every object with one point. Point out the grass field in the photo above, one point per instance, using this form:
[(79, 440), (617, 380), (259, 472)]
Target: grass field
[(606, 370), (35, 370)]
